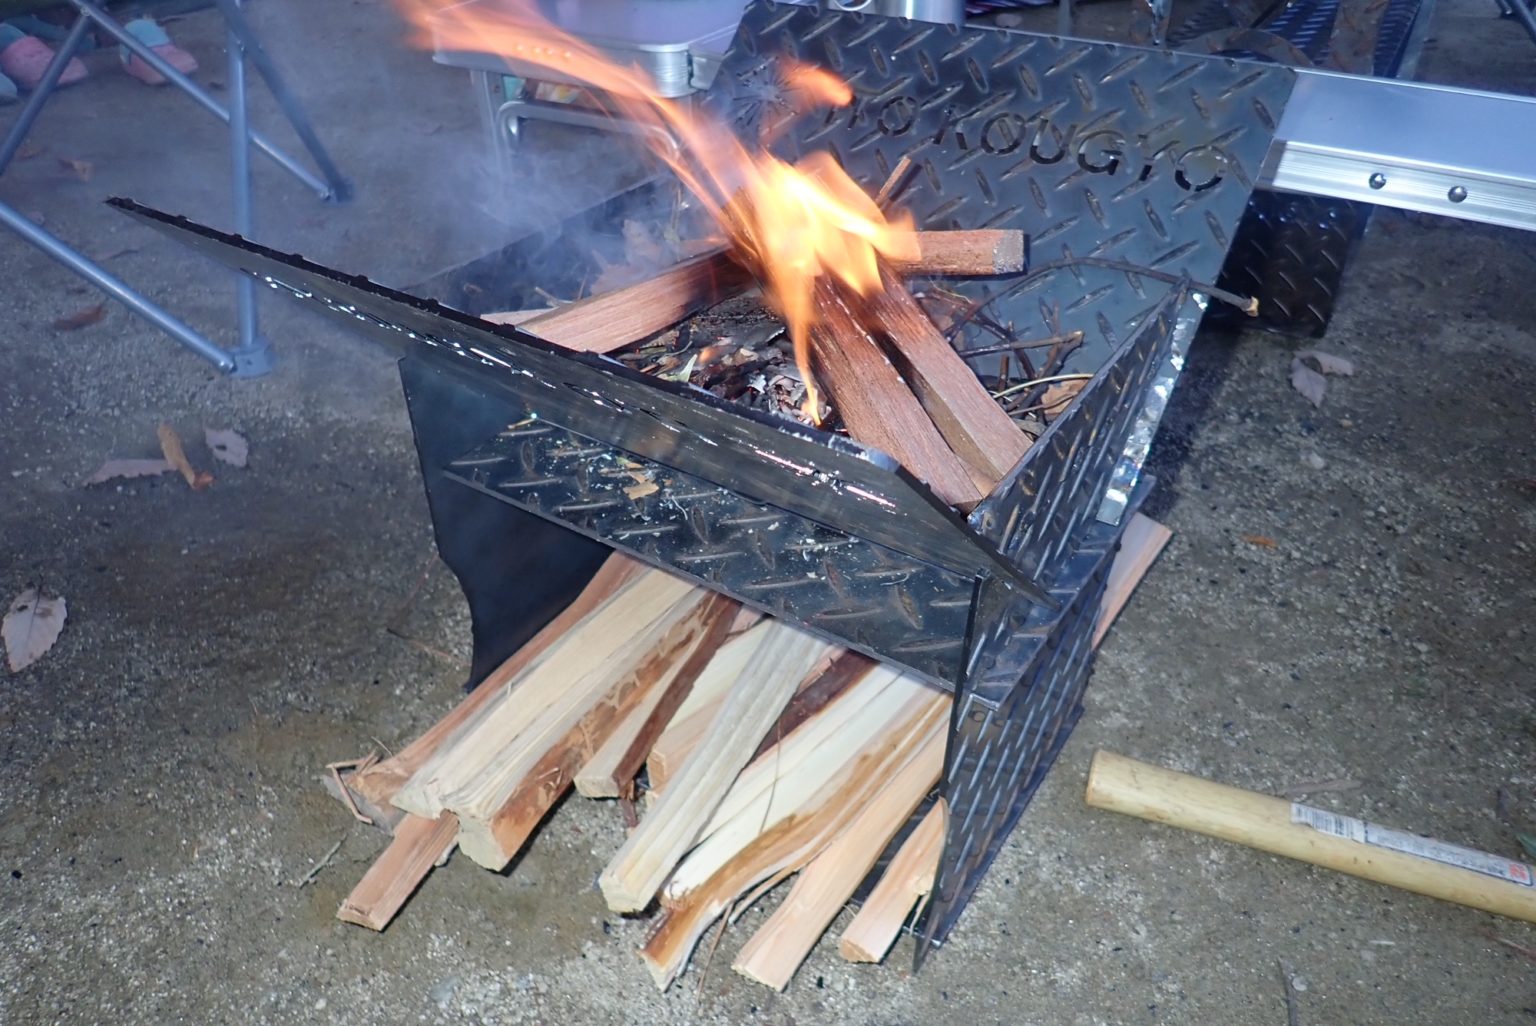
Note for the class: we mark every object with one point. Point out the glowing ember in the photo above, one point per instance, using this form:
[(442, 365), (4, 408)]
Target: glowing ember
[(791, 225)]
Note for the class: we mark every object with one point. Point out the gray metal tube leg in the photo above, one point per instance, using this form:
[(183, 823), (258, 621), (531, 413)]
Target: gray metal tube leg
[(239, 28), (114, 287), (196, 92), (253, 356)]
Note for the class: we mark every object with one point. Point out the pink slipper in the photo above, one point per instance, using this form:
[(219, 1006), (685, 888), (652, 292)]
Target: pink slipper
[(25, 61), (154, 37)]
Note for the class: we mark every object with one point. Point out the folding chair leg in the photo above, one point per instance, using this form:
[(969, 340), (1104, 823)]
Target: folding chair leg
[(114, 287)]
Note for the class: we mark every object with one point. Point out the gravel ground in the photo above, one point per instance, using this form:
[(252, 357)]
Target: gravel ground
[(160, 792)]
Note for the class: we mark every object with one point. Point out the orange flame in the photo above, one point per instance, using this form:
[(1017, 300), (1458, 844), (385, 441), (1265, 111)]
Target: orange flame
[(791, 225)]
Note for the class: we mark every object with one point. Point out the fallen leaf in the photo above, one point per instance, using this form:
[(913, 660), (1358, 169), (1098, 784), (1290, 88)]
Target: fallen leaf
[(1308, 382), (170, 444), (28, 151), (81, 169), (1259, 540), (125, 251), (82, 318), (30, 628), (1528, 842), (640, 491), (1059, 396), (113, 470), (1328, 363), (229, 446)]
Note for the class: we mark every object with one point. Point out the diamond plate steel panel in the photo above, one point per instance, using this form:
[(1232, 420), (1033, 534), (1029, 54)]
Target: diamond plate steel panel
[(1095, 150), (999, 753), (871, 598)]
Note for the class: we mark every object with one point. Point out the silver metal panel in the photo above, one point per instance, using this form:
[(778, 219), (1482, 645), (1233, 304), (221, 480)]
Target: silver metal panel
[(661, 36), (1458, 152)]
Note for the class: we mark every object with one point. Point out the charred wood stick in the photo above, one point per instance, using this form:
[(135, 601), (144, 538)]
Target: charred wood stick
[(613, 320), (983, 251), (876, 404), (969, 419)]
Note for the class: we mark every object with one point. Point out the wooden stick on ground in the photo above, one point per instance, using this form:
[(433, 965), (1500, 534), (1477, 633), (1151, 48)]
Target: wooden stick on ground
[(1269, 824), (778, 664), (381, 781), (969, 419), (909, 876), (775, 951), (418, 845)]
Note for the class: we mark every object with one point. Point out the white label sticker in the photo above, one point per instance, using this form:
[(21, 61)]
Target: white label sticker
[(1361, 832), (1331, 823), (1450, 854)]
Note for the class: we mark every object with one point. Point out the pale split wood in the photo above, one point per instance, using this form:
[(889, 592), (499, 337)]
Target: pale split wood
[(381, 781), (585, 648), (778, 782), (494, 840), (1144, 539), (777, 665), (418, 845), (837, 669), (640, 631), (625, 757), (907, 878), (775, 951), (506, 803), (795, 839), (611, 770), (692, 718)]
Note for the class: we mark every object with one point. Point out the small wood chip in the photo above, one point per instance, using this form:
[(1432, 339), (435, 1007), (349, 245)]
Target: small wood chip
[(170, 445)]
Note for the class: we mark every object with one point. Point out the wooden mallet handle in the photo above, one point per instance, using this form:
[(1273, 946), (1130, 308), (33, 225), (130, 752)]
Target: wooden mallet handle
[(1136, 789)]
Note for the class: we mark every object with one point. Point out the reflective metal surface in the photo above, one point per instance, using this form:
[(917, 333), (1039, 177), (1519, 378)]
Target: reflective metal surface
[(1425, 141)]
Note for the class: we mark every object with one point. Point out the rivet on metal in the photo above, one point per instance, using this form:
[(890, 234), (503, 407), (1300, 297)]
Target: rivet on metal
[(1457, 193), (1377, 181)]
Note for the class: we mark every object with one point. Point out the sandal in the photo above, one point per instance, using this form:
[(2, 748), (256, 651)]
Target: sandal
[(153, 36), (24, 59)]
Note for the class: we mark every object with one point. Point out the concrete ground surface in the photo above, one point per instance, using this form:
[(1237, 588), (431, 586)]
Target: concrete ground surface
[(158, 767)]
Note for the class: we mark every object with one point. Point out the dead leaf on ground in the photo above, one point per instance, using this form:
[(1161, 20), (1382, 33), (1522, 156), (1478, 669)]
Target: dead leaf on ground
[(114, 470), (1260, 540), (81, 169), (170, 444), (28, 151), (125, 251), (229, 446), (1328, 363), (82, 318), (30, 628), (1309, 370)]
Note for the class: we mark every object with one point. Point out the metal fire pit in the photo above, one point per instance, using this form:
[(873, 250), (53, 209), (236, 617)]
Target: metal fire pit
[(1141, 158)]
